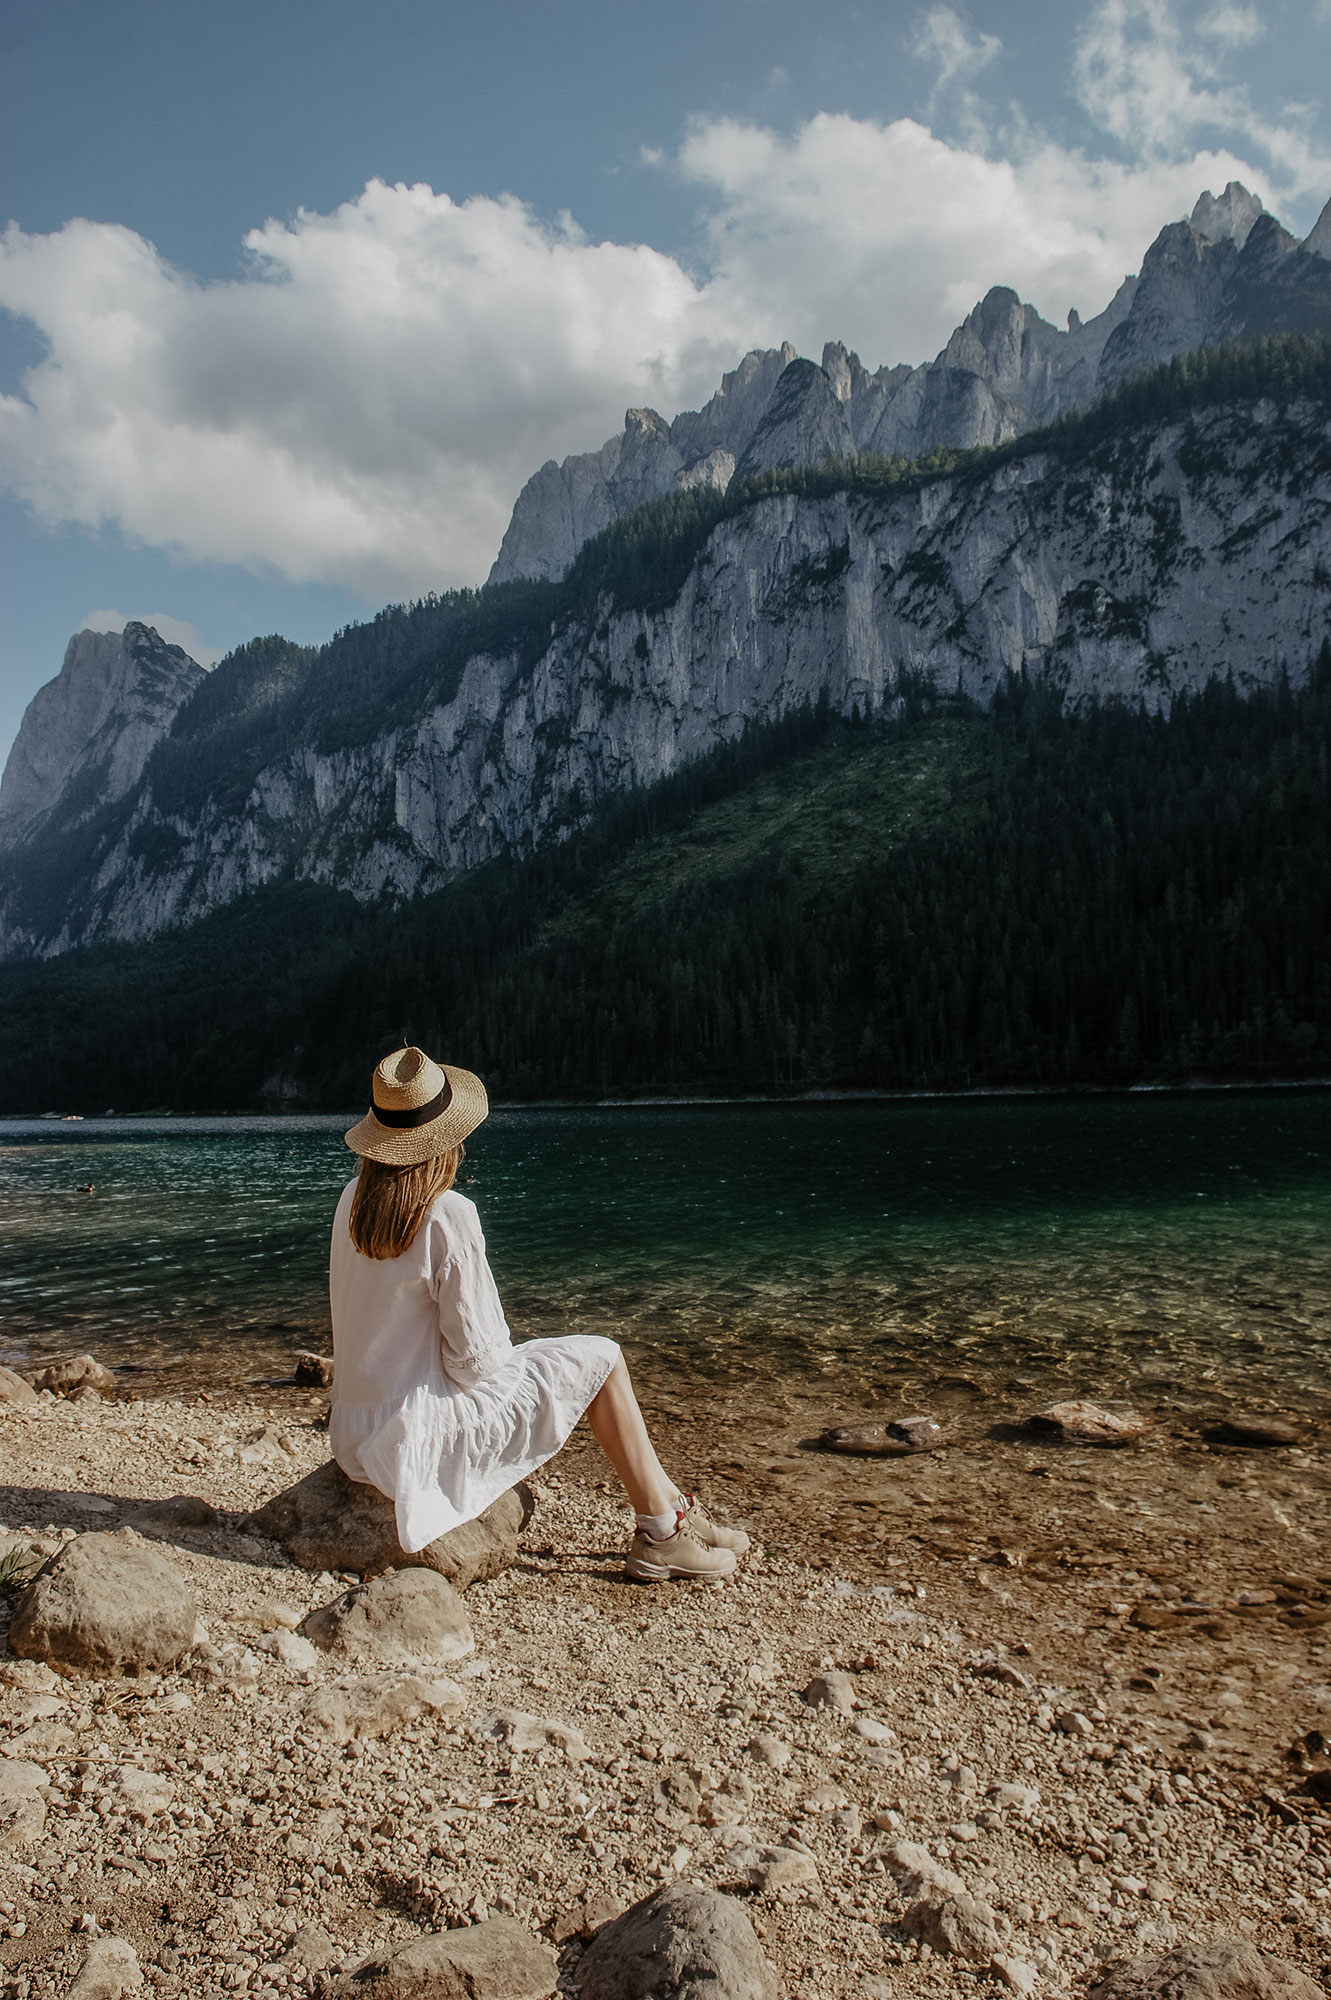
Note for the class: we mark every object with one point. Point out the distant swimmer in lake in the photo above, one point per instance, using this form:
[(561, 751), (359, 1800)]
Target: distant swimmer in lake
[(432, 1402)]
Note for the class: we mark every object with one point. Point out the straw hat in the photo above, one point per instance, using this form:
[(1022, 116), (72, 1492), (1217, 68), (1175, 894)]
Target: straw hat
[(420, 1108)]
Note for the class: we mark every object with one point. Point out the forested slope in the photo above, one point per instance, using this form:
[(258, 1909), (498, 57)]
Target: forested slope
[(959, 897)]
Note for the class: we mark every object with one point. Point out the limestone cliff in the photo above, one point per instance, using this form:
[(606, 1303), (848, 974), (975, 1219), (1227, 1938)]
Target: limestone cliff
[(86, 735), (1147, 562)]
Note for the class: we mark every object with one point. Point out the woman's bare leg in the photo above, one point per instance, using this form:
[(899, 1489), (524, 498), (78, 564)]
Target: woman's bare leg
[(618, 1428)]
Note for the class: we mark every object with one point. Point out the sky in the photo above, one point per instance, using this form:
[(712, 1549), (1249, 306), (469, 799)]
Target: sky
[(295, 294)]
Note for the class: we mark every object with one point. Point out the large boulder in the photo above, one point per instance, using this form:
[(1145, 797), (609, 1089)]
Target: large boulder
[(402, 1617), (1220, 1968), (327, 1521), (496, 1960), (77, 1371), (105, 1604), (680, 1943), (13, 1388)]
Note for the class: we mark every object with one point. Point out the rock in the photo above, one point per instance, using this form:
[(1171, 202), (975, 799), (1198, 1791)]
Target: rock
[(834, 1691), (803, 424), (80, 1371), (955, 1923), (1220, 1968), (314, 1371), (521, 1731), (109, 1972), (898, 1439), (916, 1871), (1025, 1798), (590, 1914), (680, 1943), (1015, 1973), (22, 1807), (1073, 1723), (294, 1651), (404, 1616), (164, 1517), (105, 1604), (226, 1666), (379, 1704), (770, 1750), (771, 1867), (13, 1388), (1248, 1429), (1089, 1423), (494, 1960), (144, 1793), (327, 1521), (311, 1947), (873, 1731)]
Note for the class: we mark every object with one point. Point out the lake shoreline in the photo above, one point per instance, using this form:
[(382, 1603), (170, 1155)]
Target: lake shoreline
[(973, 1596), (1005, 1093)]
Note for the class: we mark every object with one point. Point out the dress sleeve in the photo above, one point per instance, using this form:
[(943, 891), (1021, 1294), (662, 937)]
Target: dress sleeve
[(473, 1332)]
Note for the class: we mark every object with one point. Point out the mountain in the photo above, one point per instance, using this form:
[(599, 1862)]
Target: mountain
[(949, 897), (1174, 533), (86, 736), (1229, 272)]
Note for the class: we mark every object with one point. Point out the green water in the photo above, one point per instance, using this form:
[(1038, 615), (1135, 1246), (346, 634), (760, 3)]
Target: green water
[(1172, 1248)]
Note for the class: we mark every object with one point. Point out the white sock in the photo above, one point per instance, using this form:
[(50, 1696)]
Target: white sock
[(660, 1527)]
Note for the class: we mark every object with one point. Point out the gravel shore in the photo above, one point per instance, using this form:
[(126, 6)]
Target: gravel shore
[(1052, 1680)]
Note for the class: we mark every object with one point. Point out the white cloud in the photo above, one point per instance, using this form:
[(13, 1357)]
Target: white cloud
[(943, 38), (363, 405), (1144, 77), (1233, 24), (176, 631), (364, 402)]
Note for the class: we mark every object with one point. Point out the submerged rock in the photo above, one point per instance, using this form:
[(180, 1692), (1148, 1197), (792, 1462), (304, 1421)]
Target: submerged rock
[(79, 1371), (680, 1943), (898, 1439), (1084, 1422), (327, 1521), (1246, 1428), (106, 1604)]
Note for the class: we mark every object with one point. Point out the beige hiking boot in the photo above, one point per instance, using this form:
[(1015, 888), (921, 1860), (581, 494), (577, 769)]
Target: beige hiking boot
[(682, 1554), (710, 1531)]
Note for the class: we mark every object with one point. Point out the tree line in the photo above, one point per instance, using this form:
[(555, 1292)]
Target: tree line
[(1085, 899)]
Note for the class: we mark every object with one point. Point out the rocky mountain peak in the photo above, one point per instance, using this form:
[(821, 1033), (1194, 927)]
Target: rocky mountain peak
[(86, 735), (1226, 218), (1317, 243), (804, 424)]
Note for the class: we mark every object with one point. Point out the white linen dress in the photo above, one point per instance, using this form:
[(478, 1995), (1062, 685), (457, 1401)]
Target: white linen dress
[(432, 1402)]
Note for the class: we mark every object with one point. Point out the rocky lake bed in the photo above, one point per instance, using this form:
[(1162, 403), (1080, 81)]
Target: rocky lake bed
[(996, 1716)]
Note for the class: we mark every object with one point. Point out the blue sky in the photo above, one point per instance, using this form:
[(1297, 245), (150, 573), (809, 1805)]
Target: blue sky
[(296, 294)]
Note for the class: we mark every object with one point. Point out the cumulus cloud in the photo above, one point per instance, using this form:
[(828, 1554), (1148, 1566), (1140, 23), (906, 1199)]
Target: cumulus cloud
[(176, 631), (364, 402)]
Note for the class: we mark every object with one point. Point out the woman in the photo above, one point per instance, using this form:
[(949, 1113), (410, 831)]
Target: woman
[(432, 1403)]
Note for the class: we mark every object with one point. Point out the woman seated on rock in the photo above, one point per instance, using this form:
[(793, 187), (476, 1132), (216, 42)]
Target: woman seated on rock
[(432, 1402)]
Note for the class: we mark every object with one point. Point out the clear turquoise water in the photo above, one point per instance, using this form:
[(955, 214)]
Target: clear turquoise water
[(1176, 1249)]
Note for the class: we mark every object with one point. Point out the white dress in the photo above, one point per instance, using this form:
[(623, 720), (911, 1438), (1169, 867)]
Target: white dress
[(432, 1402)]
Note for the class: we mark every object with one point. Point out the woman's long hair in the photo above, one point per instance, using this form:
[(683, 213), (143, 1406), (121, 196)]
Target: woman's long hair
[(390, 1203)]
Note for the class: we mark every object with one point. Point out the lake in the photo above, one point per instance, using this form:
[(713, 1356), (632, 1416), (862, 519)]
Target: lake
[(1171, 1249)]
